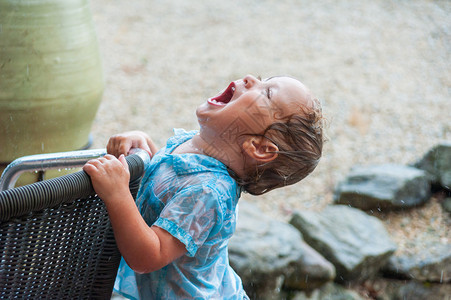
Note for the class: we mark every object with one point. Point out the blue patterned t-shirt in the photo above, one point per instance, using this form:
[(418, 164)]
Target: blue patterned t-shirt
[(193, 197)]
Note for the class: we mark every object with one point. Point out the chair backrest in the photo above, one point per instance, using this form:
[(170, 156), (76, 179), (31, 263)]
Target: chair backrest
[(56, 240)]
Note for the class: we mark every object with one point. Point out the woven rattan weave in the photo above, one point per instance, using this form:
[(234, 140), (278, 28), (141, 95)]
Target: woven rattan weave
[(56, 241)]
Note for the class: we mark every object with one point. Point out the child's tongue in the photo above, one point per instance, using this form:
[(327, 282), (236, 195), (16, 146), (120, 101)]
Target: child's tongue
[(226, 96)]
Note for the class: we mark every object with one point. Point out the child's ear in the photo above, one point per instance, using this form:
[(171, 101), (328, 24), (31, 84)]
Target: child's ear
[(260, 149)]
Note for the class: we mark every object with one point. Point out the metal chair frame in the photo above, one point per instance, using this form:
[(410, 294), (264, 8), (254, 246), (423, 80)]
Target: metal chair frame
[(43, 162)]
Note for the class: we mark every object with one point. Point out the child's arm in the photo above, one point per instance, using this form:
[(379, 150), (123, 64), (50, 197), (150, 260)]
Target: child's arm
[(144, 248), (122, 143)]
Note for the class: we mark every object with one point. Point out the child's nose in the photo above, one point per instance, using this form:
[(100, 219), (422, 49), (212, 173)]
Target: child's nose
[(249, 81)]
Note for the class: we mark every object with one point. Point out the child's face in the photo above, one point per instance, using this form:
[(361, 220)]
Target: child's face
[(250, 105)]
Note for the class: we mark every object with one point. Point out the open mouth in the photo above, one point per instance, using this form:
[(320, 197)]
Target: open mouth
[(223, 98)]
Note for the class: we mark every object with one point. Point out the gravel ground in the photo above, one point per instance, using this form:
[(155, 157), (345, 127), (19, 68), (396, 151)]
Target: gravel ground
[(381, 70)]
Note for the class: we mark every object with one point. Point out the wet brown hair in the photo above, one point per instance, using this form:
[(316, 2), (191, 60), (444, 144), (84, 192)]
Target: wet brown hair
[(299, 138)]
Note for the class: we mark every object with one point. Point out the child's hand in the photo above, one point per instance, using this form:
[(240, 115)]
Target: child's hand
[(122, 143), (110, 177)]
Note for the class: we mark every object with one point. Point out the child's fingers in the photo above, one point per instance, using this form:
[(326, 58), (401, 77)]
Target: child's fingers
[(123, 161), (98, 163), (142, 144), (107, 157), (88, 168), (92, 167), (118, 145), (133, 142), (106, 162), (122, 143), (109, 163), (123, 148)]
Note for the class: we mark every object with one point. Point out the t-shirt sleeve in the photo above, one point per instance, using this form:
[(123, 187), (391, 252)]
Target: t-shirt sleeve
[(191, 216)]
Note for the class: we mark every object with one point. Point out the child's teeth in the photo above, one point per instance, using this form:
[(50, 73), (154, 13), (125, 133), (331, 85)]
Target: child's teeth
[(233, 88)]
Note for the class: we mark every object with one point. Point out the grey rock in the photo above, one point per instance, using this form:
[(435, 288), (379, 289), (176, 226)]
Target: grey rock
[(330, 291), (262, 247), (432, 264), (447, 204), (392, 289), (310, 272), (437, 162), (383, 187), (414, 290), (265, 251), (357, 244)]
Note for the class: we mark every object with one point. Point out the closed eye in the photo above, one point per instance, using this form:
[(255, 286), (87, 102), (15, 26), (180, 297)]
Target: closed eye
[(268, 93)]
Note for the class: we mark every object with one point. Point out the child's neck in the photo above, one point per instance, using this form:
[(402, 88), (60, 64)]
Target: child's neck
[(228, 154), (188, 147)]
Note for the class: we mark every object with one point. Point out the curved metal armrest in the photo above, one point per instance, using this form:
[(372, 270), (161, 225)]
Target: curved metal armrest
[(41, 162), (75, 185)]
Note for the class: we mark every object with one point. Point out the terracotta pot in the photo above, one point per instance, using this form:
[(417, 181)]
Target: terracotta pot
[(51, 79)]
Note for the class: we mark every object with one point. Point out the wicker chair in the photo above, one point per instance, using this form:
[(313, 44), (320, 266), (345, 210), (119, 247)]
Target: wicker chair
[(56, 240)]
